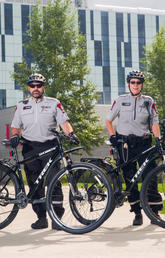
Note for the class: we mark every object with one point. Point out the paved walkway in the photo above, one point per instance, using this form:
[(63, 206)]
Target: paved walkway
[(115, 238)]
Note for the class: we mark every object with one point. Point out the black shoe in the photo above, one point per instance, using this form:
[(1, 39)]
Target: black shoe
[(138, 220), (55, 226), (40, 223)]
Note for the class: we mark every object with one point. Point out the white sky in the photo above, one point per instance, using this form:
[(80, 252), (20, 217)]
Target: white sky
[(154, 4)]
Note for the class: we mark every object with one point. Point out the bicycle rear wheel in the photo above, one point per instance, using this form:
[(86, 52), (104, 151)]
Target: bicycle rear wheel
[(152, 196), (87, 198), (8, 190)]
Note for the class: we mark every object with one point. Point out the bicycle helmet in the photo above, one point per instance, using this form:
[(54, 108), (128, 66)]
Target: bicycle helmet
[(36, 77), (136, 74)]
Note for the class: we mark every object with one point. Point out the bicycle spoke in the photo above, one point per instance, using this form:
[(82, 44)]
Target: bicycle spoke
[(85, 205)]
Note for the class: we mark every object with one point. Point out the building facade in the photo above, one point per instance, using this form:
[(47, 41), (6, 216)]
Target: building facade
[(115, 39)]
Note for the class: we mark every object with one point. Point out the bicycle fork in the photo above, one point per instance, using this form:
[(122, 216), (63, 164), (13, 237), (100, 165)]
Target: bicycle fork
[(119, 194)]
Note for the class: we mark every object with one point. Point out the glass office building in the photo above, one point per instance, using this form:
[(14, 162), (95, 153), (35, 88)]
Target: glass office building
[(115, 38)]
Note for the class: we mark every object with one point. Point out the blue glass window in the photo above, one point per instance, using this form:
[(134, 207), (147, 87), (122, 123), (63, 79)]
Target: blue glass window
[(25, 26), (120, 38), (0, 18), (141, 37), (8, 10), (119, 26), (2, 99), (106, 77), (82, 21), (127, 46), (92, 25), (98, 53), (105, 37), (25, 17), (3, 47)]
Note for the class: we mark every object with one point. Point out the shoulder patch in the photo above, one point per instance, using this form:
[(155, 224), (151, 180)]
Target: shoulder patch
[(60, 106), (113, 104), (154, 108)]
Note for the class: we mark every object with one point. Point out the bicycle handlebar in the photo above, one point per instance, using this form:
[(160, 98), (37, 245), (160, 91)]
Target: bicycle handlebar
[(58, 134)]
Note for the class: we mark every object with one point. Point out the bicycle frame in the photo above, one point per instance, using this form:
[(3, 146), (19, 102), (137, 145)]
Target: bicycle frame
[(143, 167), (57, 155), (115, 173)]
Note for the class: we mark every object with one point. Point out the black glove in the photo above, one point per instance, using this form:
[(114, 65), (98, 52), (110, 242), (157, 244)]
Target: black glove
[(73, 138), (158, 144), (113, 140), (14, 140)]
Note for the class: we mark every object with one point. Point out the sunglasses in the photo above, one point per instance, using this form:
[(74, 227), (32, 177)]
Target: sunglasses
[(36, 85), (138, 83)]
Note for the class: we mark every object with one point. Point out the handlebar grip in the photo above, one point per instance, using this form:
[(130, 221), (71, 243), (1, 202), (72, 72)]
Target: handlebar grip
[(6, 142)]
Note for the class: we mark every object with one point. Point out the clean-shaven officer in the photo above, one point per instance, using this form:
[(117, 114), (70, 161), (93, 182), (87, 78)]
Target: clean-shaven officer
[(136, 115), (32, 119)]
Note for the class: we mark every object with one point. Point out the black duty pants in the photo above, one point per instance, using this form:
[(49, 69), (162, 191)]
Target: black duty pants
[(135, 147), (33, 169)]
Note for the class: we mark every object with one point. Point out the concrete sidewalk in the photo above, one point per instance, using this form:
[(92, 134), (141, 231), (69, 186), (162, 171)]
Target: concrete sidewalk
[(115, 238)]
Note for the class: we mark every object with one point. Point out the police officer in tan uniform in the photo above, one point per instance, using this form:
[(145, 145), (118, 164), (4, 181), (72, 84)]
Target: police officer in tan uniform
[(137, 116), (32, 119)]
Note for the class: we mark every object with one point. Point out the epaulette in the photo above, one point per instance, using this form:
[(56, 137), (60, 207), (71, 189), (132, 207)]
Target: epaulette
[(25, 101), (50, 98), (147, 97)]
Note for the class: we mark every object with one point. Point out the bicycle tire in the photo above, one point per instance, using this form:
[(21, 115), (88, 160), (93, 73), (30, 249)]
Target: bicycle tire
[(153, 198), (9, 188), (90, 209), (75, 211)]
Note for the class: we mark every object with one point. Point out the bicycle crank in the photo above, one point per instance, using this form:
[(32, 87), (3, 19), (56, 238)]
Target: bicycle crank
[(22, 200)]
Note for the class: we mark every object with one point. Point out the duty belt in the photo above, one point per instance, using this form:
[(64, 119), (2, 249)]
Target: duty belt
[(133, 139)]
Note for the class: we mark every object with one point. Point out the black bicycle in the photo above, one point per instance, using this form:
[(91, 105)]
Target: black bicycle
[(81, 188), (156, 177)]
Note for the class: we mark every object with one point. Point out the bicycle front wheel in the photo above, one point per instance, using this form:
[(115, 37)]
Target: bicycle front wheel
[(8, 190), (152, 196), (80, 199)]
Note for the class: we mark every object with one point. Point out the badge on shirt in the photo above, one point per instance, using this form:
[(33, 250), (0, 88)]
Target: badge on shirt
[(60, 106), (27, 107), (126, 104)]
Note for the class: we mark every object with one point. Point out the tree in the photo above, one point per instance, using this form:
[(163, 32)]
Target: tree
[(59, 53), (154, 62)]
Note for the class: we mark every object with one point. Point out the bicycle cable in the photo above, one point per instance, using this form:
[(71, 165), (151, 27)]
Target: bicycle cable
[(124, 148)]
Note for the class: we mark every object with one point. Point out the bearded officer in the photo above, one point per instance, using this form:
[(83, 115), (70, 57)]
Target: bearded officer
[(32, 119)]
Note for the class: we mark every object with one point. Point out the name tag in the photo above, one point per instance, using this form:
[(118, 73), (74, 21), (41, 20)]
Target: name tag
[(27, 107), (126, 104)]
